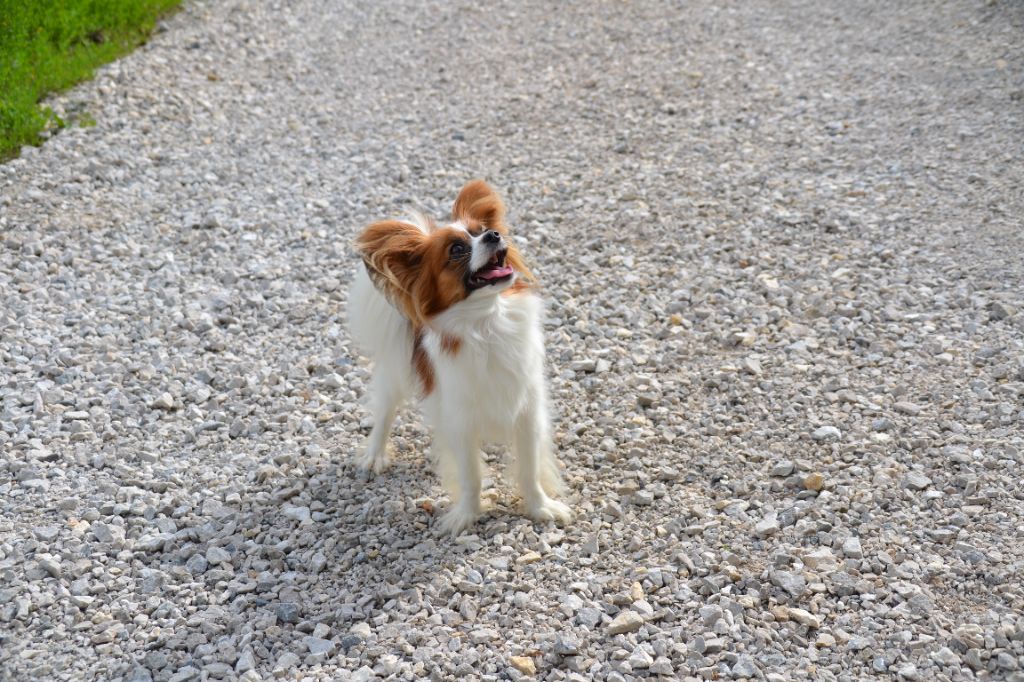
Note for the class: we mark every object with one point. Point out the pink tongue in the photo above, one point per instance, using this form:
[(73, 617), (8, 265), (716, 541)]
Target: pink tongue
[(496, 273)]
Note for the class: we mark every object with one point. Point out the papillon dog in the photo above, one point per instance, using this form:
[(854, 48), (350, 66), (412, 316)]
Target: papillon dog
[(450, 314)]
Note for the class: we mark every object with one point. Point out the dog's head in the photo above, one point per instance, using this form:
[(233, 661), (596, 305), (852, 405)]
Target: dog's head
[(426, 269)]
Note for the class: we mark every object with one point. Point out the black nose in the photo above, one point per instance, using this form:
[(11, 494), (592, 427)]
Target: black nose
[(491, 237)]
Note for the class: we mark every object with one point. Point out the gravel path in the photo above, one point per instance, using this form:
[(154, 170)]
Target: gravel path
[(782, 249)]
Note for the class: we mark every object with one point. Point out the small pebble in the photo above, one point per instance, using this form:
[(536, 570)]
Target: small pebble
[(626, 621)]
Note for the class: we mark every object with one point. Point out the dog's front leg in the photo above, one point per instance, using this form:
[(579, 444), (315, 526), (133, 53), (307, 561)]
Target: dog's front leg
[(459, 455), (536, 468)]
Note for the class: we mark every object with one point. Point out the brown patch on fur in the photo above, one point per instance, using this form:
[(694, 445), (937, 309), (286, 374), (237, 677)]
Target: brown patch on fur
[(518, 287), (421, 363), (391, 250), (515, 259), (441, 283), (414, 270), (450, 344), (478, 202), (474, 227)]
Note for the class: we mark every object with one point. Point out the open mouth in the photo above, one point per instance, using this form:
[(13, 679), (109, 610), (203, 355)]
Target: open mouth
[(496, 270)]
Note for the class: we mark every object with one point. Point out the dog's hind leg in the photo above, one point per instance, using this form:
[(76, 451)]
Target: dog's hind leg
[(386, 393)]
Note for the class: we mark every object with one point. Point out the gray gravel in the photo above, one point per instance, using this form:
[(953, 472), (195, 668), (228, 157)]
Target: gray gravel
[(781, 245)]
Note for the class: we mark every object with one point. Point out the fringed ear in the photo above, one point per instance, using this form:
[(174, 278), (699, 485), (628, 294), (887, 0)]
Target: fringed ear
[(515, 259), (479, 202), (392, 251)]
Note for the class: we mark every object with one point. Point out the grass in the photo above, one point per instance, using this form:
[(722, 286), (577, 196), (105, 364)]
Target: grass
[(49, 45)]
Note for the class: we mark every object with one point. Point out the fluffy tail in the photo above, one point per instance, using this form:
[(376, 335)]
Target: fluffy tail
[(378, 329)]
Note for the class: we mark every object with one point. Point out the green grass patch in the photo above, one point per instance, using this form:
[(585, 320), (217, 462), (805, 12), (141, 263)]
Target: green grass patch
[(49, 45)]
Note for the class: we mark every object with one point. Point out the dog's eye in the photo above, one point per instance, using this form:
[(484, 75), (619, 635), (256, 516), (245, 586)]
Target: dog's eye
[(457, 250)]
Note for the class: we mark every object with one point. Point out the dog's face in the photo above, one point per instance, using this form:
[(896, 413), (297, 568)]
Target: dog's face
[(425, 269)]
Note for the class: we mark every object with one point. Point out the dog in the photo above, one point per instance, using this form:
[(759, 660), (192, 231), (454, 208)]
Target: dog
[(451, 314)]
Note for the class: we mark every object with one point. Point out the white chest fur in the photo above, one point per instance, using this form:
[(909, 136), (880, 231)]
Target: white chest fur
[(496, 372)]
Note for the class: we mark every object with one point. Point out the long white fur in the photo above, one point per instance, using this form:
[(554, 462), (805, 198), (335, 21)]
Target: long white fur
[(492, 390)]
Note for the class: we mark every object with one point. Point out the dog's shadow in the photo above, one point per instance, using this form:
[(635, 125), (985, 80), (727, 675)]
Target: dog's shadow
[(324, 548)]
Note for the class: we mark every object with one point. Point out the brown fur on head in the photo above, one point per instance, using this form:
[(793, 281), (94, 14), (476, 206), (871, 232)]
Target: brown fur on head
[(480, 204), (419, 267)]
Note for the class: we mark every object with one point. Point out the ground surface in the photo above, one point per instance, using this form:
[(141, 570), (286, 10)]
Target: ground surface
[(781, 246)]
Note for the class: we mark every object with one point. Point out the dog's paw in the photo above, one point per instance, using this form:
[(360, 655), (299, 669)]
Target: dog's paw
[(548, 509), (458, 518), (373, 460)]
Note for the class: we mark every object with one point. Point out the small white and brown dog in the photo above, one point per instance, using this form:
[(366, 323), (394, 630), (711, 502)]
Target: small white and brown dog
[(450, 313)]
